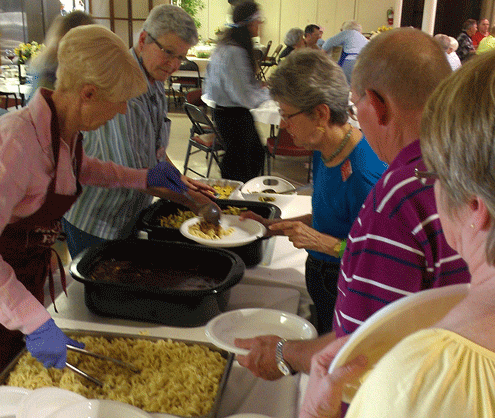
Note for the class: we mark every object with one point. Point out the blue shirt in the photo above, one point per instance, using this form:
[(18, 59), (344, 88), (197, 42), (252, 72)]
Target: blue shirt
[(338, 195), (131, 140), (230, 80), (351, 42)]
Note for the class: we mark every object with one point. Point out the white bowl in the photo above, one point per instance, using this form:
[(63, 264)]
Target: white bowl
[(388, 326), (251, 322), (40, 403), (254, 190), (100, 409)]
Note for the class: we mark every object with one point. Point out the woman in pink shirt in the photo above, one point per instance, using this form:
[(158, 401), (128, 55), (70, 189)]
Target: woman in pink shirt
[(42, 167)]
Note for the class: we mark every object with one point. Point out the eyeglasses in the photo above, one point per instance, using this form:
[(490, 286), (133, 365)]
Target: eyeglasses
[(427, 177), (169, 55), (286, 118)]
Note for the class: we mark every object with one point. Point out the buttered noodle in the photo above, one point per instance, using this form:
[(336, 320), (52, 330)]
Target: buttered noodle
[(175, 378)]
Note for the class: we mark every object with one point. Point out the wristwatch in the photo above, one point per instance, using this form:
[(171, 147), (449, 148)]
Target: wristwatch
[(282, 365)]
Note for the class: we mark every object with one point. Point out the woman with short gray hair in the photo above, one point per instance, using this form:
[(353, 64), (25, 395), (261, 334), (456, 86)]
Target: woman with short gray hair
[(313, 96), (352, 41), (294, 39)]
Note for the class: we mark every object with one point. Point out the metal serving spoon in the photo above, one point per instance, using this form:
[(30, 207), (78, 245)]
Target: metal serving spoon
[(210, 212)]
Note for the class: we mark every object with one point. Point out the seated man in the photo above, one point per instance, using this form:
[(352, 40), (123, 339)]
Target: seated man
[(482, 32), (466, 48), (312, 34)]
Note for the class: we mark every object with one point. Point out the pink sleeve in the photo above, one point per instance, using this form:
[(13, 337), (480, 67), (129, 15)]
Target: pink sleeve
[(95, 172)]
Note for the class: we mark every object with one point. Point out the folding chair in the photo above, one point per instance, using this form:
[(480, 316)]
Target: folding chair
[(260, 56), (181, 83), (282, 144), (270, 61), (204, 137)]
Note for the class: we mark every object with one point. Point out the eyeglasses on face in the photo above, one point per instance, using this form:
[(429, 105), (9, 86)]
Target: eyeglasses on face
[(169, 55), (285, 118), (427, 177)]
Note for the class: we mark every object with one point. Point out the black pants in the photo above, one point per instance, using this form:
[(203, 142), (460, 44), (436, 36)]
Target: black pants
[(244, 157), (321, 282)]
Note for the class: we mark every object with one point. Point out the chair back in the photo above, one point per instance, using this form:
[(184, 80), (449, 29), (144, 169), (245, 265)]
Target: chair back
[(194, 97), (201, 123), (195, 81), (267, 50), (283, 144)]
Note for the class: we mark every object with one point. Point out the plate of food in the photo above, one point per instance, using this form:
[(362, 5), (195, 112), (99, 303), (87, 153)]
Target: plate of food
[(232, 231), (386, 327), (94, 408), (251, 322)]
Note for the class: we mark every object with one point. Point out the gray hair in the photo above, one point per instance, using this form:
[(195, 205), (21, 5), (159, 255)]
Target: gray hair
[(166, 19), (308, 78), (293, 36), (404, 63), (351, 25), (457, 139), (443, 41)]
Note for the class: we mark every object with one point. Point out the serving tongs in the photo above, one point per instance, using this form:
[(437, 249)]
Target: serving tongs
[(100, 356)]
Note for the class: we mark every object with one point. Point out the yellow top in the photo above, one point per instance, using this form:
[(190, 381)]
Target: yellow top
[(431, 373)]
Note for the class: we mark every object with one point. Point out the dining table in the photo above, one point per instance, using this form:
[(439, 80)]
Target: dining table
[(277, 282)]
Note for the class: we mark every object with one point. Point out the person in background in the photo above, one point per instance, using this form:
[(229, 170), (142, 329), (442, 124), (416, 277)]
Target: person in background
[(136, 139), (482, 32), (445, 370), (313, 96), (231, 83), (311, 36), (396, 245), (487, 43), (351, 39), (294, 39), (445, 43), (466, 48), (43, 67), (452, 56), (43, 166), (320, 41)]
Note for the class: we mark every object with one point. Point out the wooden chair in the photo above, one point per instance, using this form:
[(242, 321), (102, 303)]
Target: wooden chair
[(283, 145), (204, 137)]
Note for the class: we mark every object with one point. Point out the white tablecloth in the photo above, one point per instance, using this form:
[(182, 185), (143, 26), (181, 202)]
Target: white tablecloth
[(267, 113)]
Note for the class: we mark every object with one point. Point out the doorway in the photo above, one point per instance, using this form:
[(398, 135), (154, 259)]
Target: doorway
[(451, 14)]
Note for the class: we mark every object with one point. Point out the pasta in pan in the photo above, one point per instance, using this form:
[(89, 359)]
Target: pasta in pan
[(175, 378)]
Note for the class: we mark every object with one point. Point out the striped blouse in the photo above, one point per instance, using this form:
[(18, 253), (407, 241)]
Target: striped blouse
[(131, 140), (396, 246)]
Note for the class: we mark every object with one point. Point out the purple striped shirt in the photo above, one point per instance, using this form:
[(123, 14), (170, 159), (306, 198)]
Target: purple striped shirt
[(396, 246)]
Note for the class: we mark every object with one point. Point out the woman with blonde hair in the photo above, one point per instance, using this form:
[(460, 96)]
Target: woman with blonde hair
[(43, 166), (446, 370)]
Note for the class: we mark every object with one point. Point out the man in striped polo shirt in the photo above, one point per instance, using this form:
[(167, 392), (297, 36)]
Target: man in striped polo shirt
[(396, 245)]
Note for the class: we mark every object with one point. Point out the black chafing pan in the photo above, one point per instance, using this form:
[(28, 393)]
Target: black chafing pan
[(109, 335), (252, 253), (172, 283)]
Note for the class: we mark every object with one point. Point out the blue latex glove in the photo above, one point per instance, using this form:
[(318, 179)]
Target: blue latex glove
[(166, 175), (48, 344)]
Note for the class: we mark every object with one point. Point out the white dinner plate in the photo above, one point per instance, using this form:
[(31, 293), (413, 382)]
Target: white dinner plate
[(93, 408), (245, 231), (386, 327), (10, 399), (247, 323), (40, 403)]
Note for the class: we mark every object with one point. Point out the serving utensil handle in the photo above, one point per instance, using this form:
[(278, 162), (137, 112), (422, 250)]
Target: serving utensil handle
[(100, 356), (83, 374)]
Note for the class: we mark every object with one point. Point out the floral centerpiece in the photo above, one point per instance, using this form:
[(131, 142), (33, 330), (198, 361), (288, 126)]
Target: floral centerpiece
[(27, 51)]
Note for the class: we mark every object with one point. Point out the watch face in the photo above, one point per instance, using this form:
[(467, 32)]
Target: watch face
[(283, 368)]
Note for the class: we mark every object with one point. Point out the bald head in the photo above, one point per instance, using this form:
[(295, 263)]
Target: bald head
[(405, 63)]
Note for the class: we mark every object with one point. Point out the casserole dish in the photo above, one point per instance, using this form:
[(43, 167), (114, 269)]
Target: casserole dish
[(252, 253), (172, 283)]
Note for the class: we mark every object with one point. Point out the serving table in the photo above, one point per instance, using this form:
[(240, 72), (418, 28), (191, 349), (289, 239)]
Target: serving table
[(277, 282)]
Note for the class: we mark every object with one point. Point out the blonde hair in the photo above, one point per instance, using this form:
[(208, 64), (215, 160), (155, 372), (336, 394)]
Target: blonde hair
[(457, 137), (92, 54), (404, 63)]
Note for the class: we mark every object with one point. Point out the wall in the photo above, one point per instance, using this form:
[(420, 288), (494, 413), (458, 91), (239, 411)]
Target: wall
[(281, 15)]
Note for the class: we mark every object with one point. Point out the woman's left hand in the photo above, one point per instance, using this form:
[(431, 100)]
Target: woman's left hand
[(300, 234), (323, 395)]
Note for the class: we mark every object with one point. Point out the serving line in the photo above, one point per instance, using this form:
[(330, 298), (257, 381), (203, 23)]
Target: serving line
[(244, 392)]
